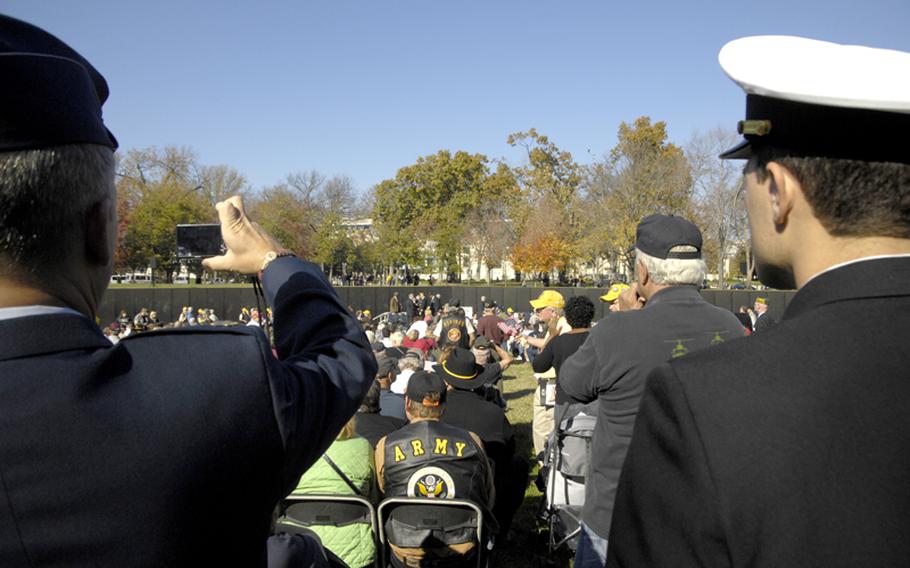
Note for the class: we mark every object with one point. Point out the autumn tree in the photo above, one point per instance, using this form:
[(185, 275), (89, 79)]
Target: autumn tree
[(543, 246), (642, 175), (306, 213), (550, 179), (421, 213), (157, 189), (719, 209)]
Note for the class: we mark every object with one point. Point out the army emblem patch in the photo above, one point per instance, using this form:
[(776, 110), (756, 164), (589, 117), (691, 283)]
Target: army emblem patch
[(454, 335), (431, 482)]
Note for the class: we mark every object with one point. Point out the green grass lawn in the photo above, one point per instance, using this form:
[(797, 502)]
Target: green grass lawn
[(530, 548)]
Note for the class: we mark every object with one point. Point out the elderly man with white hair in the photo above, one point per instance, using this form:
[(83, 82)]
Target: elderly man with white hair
[(613, 363)]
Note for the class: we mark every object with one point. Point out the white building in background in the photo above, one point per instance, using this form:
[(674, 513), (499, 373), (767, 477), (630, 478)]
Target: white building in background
[(361, 230)]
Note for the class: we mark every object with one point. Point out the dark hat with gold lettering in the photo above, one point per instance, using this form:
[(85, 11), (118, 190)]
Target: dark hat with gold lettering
[(814, 98), (51, 95)]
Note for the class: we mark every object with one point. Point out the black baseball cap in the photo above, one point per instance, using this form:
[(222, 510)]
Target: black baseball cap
[(52, 95), (423, 383), (657, 234)]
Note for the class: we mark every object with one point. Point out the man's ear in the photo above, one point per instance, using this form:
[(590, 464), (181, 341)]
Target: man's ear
[(782, 192), (641, 273), (100, 231)]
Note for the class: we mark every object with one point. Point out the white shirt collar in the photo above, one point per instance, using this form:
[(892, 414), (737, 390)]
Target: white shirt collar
[(26, 311), (854, 261)]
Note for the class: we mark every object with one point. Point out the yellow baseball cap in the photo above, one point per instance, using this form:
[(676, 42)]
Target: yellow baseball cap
[(614, 292), (549, 299)]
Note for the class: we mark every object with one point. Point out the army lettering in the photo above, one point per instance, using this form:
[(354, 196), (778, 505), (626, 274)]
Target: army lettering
[(441, 447)]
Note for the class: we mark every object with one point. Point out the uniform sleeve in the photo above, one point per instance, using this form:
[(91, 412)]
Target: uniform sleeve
[(324, 365), (666, 511), (578, 375)]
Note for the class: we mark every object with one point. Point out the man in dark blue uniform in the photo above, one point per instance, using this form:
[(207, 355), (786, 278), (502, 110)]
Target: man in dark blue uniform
[(117, 455), (792, 447)]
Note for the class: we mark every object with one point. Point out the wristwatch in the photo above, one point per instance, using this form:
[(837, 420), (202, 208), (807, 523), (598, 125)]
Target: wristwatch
[(272, 255)]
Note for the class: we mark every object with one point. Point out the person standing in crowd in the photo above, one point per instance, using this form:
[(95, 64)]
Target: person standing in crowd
[(467, 408), (744, 318), (762, 319), (612, 364), (488, 324), (579, 312), (791, 448), (436, 303), (141, 458), (410, 307), (549, 310), (454, 328), (393, 303), (623, 297)]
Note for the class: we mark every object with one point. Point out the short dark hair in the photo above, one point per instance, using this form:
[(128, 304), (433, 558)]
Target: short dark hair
[(579, 311), (44, 197), (850, 197), (370, 402)]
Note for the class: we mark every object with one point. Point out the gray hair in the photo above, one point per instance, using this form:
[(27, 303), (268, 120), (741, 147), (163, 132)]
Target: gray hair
[(410, 361), (674, 271), (44, 197)]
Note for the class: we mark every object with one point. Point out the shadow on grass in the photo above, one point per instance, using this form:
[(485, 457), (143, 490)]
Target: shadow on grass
[(513, 395)]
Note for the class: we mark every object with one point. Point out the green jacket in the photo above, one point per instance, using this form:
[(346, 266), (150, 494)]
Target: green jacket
[(353, 543)]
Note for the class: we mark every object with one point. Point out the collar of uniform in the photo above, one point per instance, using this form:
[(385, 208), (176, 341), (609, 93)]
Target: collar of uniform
[(673, 294), (37, 310), (868, 278), (49, 333)]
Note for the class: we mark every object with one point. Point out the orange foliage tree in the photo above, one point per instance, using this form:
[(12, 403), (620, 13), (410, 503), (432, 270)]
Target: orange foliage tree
[(542, 253)]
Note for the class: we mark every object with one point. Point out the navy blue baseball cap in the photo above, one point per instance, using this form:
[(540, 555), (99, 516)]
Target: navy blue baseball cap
[(656, 235), (52, 95)]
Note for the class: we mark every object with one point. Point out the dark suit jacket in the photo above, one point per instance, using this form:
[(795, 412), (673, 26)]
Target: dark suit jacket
[(611, 366), (787, 448), (170, 448)]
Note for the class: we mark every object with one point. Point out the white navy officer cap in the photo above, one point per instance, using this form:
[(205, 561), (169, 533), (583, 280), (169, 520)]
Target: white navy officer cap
[(813, 98)]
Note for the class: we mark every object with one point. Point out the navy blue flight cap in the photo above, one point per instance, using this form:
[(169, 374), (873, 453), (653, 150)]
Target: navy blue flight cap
[(51, 95), (657, 234)]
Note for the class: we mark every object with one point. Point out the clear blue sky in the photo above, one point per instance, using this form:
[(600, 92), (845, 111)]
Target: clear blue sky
[(363, 88)]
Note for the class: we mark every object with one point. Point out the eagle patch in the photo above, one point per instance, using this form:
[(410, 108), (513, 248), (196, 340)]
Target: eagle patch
[(431, 482)]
